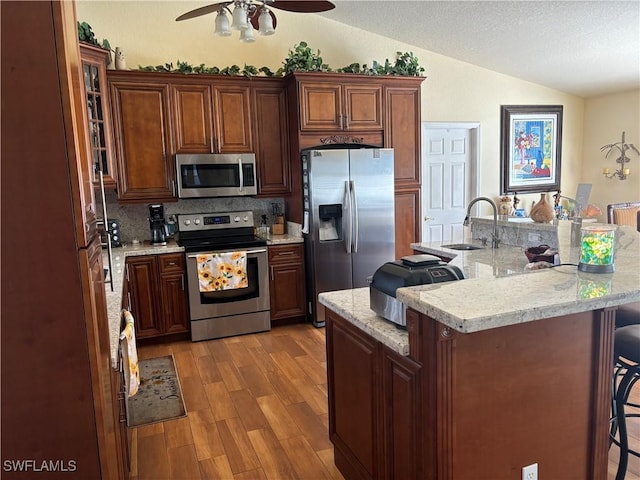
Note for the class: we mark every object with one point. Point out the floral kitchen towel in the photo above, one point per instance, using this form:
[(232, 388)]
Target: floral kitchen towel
[(129, 355), (222, 271)]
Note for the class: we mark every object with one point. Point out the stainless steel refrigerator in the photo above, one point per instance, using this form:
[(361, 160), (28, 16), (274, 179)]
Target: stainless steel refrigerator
[(348, 222)]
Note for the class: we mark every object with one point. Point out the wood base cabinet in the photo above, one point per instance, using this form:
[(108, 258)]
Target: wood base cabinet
[(156, 286), (287, 282), (374, 405), (492, 401)]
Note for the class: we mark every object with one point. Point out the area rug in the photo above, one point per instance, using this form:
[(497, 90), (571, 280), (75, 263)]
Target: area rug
[(159, 397)]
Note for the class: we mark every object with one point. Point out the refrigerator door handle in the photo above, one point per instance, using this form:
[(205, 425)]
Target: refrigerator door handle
[(348, 215), (354, 215)]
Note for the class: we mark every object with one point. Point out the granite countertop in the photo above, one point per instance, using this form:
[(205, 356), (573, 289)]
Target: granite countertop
[(282, 239), (114, 297), (503, 291)]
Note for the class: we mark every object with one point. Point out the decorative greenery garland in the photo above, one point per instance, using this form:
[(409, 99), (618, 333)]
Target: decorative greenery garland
[(301, 59)]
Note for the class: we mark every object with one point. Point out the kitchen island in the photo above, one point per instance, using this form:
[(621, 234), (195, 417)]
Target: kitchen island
[(505, 369)]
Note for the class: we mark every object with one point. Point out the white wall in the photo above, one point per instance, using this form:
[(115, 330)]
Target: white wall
[(453, 91)]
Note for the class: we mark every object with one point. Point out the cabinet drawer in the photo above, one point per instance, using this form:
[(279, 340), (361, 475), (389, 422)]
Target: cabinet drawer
[(285, 253), (171, 262)]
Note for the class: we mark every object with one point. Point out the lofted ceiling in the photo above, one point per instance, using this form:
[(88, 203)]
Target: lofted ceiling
[(585, 48)]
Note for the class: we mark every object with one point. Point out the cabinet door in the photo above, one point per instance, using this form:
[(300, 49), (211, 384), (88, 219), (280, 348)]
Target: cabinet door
[(172, 291), (363, 107), (271, 127), (287, 281), (320, 106), (232, 119), (100, 357), (402, 416), (142, 126), (192, 118), (402, 133), (407, 211), (354, 421), (174, 303), (142, 276), (94, 65)]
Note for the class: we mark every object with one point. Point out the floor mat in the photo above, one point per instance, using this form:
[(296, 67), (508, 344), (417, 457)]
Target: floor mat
[(159, 397)]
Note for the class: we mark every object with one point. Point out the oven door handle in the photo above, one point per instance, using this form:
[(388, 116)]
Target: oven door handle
[(262, 250)]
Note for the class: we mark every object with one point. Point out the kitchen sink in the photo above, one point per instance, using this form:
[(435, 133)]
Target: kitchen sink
[(461, 246)]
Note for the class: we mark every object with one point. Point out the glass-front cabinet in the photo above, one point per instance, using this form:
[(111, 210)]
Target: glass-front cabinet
[(94, 65)]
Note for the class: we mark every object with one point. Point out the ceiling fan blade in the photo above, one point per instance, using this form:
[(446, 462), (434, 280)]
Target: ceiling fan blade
[(302, 6), (203, 11), (255, 19)]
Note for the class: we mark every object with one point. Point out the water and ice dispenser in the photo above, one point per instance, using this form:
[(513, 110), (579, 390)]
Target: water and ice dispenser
[(330, 224)]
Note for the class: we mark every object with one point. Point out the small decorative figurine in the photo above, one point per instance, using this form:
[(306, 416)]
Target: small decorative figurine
[(121, 64), (504, 207)]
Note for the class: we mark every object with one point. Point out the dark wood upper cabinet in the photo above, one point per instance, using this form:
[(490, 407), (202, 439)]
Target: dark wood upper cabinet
[(402, 131), (232, 118), (142, 126), (192, 126), (94, 66), (271, 129), (333, 106)]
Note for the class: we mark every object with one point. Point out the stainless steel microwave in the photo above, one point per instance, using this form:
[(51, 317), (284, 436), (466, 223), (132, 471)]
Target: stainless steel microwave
[(216, 175)]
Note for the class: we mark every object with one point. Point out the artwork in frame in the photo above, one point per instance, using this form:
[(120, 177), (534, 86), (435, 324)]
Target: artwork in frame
[(531, 147)]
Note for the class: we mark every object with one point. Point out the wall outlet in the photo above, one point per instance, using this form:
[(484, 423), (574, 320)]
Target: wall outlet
[(535, 237), (530, 472)]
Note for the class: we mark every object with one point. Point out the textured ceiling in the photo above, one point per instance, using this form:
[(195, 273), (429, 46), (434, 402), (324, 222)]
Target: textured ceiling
[(585, 48)]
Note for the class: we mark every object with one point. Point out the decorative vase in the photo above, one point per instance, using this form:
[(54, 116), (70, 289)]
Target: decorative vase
[(542, 212)]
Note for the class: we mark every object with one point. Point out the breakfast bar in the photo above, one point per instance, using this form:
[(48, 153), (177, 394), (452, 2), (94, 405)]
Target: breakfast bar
[(508, 368)]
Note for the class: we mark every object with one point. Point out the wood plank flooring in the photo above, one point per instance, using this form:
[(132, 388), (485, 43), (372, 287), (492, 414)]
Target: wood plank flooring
[(257, 409)]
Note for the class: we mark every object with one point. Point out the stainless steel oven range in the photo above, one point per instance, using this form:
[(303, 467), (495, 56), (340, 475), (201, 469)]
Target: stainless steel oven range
[(225, 311)]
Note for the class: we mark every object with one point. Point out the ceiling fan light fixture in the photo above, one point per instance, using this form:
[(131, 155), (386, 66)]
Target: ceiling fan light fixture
[(265, 22), (222, 24), (246, 35), (239, 16)]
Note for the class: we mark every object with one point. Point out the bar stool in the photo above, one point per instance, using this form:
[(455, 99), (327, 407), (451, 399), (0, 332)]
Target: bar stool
[(628, 314), (627, 370)]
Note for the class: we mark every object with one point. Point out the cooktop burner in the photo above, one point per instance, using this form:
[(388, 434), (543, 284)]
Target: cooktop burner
[(215, 231)]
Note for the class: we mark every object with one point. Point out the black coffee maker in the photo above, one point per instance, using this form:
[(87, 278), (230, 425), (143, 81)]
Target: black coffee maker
[(157, 225)]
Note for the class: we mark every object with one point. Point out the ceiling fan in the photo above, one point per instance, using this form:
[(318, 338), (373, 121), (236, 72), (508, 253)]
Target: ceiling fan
[(248, 15)]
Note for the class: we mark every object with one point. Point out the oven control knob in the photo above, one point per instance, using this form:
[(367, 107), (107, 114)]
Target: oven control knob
[(236, 219), (245, 218), (187, 222), (197, 221)]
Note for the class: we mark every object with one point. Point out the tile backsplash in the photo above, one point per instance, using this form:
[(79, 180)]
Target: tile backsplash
[(134, 223)]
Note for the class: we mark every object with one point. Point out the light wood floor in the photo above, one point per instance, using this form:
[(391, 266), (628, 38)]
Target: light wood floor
[(257, 409)]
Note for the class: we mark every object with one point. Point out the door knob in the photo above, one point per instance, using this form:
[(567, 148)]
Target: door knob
[(427, 218)]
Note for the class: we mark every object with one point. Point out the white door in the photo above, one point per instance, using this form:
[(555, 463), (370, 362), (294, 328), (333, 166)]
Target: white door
[(449, 156)]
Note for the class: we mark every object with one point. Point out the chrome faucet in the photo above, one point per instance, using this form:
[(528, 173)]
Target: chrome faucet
[(494, 240)]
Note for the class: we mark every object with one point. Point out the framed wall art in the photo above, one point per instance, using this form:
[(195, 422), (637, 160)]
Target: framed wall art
[(530, 150)]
